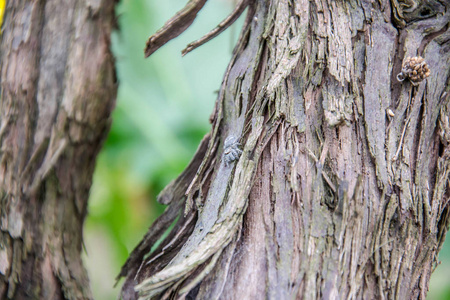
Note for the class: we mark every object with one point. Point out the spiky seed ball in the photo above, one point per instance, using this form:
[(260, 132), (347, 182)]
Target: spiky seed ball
[(415, 68)]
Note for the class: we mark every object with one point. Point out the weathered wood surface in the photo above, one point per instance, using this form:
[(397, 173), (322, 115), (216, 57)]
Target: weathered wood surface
[(57, 92), (333, 197)]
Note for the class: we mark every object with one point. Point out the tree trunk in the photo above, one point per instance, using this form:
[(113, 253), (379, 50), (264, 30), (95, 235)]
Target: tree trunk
[(57, 92), (342, 189)]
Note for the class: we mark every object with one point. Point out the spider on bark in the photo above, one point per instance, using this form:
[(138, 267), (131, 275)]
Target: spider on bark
[(231, 151)]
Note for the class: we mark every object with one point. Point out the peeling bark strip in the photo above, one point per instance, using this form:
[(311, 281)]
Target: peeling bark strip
[(57, 92), (342, 189), (182, 20), (174, 27)]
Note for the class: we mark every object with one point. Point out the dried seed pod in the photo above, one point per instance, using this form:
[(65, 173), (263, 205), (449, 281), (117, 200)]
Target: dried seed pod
[(415, 68), (390, 112)]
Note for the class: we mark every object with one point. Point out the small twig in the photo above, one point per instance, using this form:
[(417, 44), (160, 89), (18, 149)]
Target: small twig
[(175, 26), (397, 153), (324, 153), (37, 154), (324, 174), (219, 29), (4, 125), (48, 164)]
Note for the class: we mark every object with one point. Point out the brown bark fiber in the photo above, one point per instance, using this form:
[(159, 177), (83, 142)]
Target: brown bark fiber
[(57, 92), (342, 190)]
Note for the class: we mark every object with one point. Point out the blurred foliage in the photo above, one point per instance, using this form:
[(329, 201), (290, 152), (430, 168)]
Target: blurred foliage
[(162, 112), (440, 280)]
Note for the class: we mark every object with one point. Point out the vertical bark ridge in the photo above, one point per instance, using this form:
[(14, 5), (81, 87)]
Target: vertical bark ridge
[(58, 90)]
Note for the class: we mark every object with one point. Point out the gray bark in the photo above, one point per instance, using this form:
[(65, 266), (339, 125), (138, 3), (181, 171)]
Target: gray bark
[(57, 92), (333, 197)]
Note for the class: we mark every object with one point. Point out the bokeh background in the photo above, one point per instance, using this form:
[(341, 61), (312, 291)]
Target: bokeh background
[(162, 113)]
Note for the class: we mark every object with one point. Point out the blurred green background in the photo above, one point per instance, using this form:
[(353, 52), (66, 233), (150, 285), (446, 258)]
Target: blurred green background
[(162, 113)]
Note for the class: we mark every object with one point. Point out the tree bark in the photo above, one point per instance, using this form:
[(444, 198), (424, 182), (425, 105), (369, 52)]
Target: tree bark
[(57, 92), (342, 189)]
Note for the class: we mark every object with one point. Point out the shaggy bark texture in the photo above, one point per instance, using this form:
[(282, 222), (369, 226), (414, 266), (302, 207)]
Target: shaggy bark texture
[(57, 92), (342, 190)]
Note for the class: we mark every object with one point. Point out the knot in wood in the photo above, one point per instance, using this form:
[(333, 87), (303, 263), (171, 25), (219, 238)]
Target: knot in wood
[(407, 11)]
